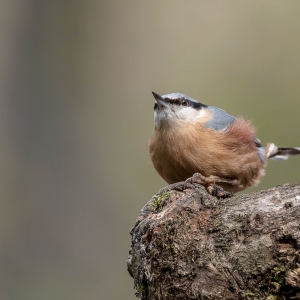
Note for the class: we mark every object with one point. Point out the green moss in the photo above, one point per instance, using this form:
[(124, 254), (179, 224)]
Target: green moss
[(218, 223), (279, 275), (140, 289), (174, 249), (227, 248), (159, 201), (251, 295), (171, 247), (248, 294), (276, 286), (272, 297)]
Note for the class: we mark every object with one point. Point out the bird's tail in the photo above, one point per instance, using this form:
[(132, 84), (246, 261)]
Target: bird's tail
[(273, 152)]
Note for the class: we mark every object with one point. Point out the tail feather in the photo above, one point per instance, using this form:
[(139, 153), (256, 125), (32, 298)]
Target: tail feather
[(273, 152)]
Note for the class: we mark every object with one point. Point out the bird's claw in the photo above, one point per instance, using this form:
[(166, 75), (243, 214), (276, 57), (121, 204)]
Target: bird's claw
[(209, 184), (218, 191)]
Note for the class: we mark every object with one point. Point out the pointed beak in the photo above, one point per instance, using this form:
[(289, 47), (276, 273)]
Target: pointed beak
[(161, 101)]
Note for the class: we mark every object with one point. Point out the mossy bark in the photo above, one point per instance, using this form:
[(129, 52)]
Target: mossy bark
[(187, 244)]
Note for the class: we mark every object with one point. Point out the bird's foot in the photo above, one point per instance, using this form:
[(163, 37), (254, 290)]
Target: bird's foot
[(210, 184), (218, 191)]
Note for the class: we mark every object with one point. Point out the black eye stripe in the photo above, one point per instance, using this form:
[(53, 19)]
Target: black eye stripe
[(180, 101)]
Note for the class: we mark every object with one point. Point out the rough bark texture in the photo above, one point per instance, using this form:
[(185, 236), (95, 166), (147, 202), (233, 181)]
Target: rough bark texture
[(187, 244)]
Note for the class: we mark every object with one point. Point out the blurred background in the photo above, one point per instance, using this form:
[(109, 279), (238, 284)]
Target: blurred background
[(76, 113)]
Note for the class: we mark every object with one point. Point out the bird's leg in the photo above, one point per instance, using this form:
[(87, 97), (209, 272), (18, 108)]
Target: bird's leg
[(212, 179), (210, 184)]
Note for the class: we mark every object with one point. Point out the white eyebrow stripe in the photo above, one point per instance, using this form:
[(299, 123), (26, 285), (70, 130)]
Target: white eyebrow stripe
[(192, 115)]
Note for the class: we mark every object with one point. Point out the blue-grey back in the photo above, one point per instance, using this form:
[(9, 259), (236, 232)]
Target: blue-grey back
[(220, 119)]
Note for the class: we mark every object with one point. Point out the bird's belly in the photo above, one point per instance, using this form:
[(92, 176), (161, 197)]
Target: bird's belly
[(176, 165)]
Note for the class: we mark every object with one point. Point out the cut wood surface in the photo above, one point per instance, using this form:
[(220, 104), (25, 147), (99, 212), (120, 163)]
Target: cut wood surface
[(187, 244)]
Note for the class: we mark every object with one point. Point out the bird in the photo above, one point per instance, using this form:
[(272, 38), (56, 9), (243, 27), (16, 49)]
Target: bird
[(198, 143)]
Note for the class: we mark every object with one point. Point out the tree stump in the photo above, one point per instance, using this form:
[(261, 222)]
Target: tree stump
[(187, 244)]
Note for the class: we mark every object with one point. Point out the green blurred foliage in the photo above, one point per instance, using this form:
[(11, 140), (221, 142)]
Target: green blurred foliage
[(76, 116)]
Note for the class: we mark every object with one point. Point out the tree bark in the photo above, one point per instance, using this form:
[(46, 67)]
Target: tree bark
[(187, 244)]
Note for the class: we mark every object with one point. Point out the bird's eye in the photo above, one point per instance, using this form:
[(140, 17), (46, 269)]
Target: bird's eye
[(184, 102)]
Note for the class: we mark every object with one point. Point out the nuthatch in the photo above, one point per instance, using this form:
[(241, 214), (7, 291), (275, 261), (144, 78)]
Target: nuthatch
[(205, 143)]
